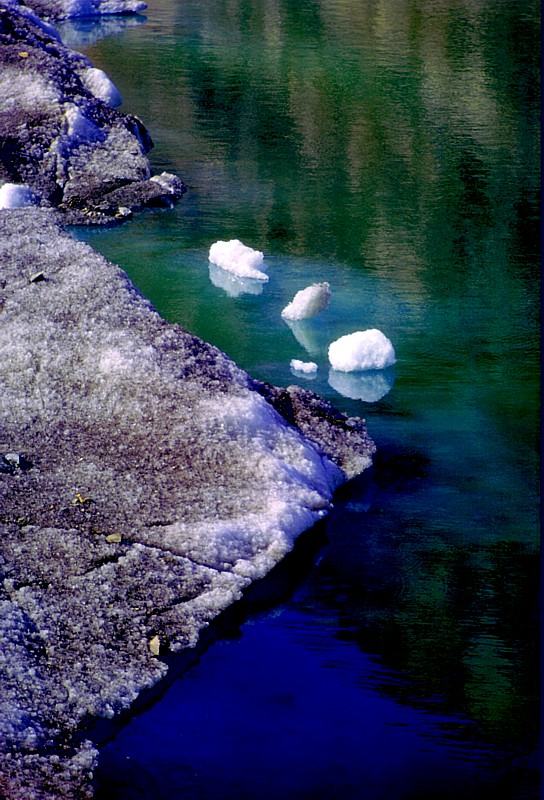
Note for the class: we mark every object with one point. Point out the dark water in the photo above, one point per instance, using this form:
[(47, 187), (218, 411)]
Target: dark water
[(392, 149)]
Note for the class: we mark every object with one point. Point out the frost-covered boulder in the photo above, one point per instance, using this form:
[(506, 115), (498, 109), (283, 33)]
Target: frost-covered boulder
[(308, 302), (238, 258), (62, 138), (362, 350)]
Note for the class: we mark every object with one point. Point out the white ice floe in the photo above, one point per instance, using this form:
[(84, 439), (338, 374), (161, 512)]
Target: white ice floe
[(238, 259), (305, 367), (369, 386), (362, 350), (308, 302), (16, 195), (98, 83)]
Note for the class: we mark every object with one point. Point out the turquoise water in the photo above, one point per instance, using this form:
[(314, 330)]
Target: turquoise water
[(392, 149)]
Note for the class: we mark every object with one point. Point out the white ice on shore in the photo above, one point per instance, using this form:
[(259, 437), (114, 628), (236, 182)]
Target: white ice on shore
[(98, 83), (16, 195), (305, 367), (308, 302), (362, 350), (239, 259), (70, 9)]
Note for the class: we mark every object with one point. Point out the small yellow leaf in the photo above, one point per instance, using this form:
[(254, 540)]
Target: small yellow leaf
[(23, 54), (114, 537), (155, 645)]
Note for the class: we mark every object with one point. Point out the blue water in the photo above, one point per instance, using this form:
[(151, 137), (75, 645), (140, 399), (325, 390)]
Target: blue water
[(394, 151)]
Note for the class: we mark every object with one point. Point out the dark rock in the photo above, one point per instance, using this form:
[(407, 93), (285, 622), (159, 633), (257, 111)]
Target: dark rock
[(68, 146)]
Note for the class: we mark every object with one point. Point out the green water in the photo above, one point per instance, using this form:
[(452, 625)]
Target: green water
[(393, 149)]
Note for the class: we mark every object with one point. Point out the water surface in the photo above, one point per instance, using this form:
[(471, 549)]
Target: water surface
[(393, 150)]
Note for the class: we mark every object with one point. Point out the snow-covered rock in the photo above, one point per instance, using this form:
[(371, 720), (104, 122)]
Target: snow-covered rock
[(145, 481), (66, 142), (362, 350), (238, 258), (308, 302)]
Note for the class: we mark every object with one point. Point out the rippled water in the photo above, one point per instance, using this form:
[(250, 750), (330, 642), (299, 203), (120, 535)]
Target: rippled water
[(393, 150)]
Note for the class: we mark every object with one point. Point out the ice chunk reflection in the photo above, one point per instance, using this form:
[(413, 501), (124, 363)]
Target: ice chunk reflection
[(369, 386), (88, 31), (232, 284), (306, 334)]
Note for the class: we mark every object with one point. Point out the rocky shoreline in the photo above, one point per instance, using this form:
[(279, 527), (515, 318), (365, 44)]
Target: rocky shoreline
[(145, 480)]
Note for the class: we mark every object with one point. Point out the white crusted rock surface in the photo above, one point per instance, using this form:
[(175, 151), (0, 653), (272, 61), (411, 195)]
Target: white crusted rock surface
[(145, 480)]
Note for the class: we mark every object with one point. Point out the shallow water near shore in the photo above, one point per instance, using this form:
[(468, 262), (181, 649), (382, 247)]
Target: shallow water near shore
[(393, 151)]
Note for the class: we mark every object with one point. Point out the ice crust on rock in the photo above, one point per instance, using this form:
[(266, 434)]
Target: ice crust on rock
[(238, 258), (97, 82), (159, 481), (308, 302), (16, 195), (362, 350), (73, 9)]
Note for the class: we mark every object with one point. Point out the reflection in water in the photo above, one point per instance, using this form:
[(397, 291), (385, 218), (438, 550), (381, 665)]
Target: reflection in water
[(307, 334), (89, 30), (369, 386), (392, 149), (232, 284)]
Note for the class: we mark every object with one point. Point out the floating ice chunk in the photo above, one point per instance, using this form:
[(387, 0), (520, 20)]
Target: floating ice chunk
[(16, 195), (308, 302), (362, 350), (120, 6), (238, 259), (306, 367), (98, 83), (232, 284), (369, 386)]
